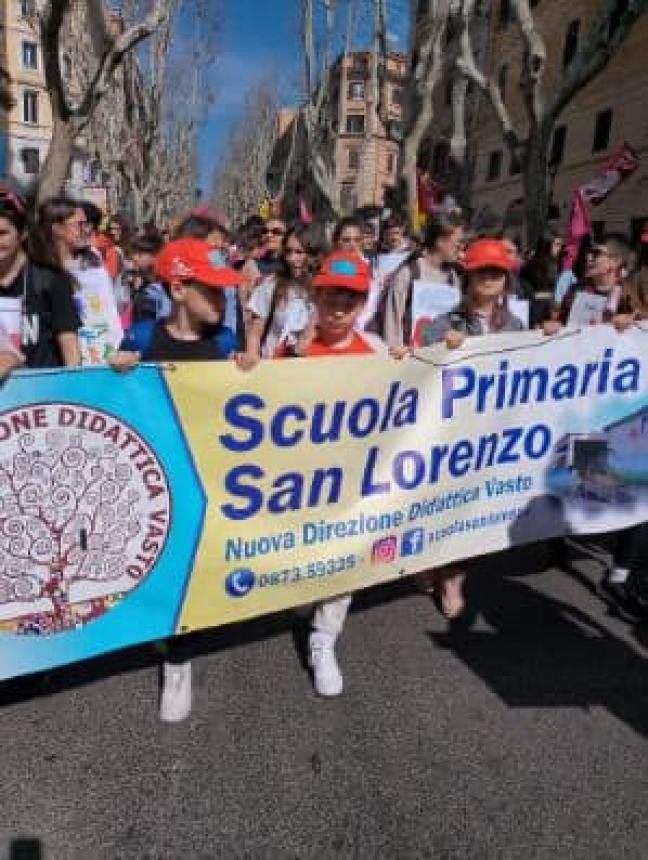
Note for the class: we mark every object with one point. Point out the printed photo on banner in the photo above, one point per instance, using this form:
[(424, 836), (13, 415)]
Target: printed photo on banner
[(429, 301)]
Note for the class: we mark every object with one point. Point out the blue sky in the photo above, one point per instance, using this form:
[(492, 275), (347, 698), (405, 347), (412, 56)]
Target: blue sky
[(260, 39)]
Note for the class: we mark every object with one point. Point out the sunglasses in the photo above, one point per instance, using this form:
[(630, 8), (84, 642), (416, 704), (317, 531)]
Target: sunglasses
[(275, 231)]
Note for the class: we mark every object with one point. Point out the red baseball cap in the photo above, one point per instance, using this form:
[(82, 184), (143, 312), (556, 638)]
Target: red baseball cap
[(344, 270), (186, 260), (487, 254)]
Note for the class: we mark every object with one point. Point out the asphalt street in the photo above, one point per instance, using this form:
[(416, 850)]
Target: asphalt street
[(522, 733)]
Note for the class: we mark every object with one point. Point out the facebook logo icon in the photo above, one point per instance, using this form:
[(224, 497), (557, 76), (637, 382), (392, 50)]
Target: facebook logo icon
[(412, 542)]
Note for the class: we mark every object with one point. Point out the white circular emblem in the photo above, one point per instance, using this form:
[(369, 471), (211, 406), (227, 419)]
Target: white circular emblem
[(84, 515)]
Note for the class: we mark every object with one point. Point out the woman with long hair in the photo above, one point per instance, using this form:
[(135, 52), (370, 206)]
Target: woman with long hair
[(37, 309), (281, 308), (63, 237), (433, 264)]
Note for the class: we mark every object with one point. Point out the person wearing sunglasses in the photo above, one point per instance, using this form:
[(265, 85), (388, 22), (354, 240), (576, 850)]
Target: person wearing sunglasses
[(606, 268), (38, 317), (273, 236)]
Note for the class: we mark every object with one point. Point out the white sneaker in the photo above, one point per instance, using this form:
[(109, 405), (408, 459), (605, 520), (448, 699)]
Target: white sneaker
[(175, 701), (327, 678)]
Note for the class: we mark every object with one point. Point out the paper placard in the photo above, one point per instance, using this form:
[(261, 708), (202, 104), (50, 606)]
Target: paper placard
[(429, 301), (587, 309)]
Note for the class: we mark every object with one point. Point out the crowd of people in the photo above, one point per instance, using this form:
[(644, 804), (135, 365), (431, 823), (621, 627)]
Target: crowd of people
[(79, 289)]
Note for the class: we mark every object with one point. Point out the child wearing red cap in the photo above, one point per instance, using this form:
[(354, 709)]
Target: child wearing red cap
[(339, 292), (484, 310), (193, 332)]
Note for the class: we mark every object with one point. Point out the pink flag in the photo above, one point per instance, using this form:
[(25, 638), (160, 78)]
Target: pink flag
[(621, 164), (305, 215), (577, 228)]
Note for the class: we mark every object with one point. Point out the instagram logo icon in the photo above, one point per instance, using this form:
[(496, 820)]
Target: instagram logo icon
[(384, 550)]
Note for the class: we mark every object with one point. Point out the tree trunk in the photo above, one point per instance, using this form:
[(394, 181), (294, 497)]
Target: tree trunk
[(55, 170), (408, 171), (536, 191)]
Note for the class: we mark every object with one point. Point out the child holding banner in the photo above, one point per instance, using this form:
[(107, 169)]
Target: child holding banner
[(340, 292), (193, 332), (483, 310)]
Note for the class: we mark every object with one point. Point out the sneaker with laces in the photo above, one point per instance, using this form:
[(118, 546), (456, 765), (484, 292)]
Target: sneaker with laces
[(327, 678), (175, 700)]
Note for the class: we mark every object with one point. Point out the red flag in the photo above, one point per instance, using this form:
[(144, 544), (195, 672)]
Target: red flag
[(577, 228), (428, 193), (621, 164), (305, 215)]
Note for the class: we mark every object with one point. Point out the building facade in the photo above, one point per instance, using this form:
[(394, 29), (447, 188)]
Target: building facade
[(26, 128), (28, 124), (366, 159), (609, 111)]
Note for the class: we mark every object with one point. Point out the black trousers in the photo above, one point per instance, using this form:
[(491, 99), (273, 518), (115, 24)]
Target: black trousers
[(630, 550)]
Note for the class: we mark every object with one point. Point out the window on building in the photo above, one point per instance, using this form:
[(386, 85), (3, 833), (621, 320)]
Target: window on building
[(347, 196), (598, 230), (558, 146), (391, 162), (31, 160), (353, 159), (571, 42), (422, 8), (504, 13), (359, 63), (355, 124), (494, 165), (637, 228), (620, 8), (30, 107), (356, 91), (27, 8), (602, 130), (30, 55), (515, 165), (502, 80), (397, 96)]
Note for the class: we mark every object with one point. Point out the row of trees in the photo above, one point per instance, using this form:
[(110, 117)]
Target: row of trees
[(448, 52), (130, 89)]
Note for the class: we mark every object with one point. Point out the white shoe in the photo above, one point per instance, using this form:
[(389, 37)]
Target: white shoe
[(175, 701), (327, 678)]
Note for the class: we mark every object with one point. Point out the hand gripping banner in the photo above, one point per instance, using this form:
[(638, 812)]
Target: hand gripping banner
[(137, 507)]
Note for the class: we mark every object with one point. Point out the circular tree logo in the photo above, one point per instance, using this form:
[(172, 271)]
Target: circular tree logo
[(84, 515)]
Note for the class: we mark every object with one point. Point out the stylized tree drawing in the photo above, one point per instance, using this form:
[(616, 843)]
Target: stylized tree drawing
[(68, 515)]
